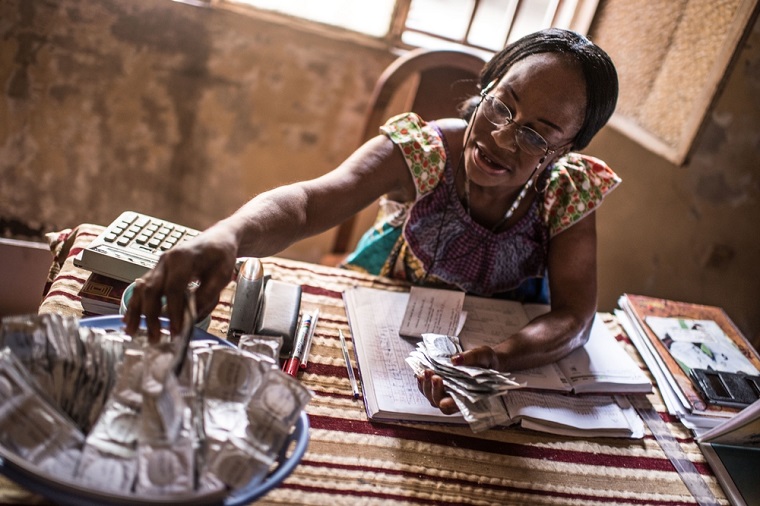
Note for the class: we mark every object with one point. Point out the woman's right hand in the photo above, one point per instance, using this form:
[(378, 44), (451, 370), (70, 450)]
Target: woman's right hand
[(209, 260), (431, 385)]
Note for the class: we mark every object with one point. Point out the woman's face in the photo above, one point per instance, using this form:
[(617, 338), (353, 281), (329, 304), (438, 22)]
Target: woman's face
[(546, 93)]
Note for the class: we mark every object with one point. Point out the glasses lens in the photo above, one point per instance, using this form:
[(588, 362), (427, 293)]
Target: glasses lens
[(531, 141), (495, 111), (499, 115)]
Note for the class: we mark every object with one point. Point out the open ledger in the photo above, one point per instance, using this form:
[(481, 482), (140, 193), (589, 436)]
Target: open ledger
[(601, 367)]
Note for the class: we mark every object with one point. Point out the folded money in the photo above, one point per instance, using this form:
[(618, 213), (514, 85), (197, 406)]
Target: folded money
[(475, 390)]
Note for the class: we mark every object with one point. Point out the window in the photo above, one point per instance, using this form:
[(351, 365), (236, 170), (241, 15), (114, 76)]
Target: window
[(371, 18), (671, 60), (486, 25)]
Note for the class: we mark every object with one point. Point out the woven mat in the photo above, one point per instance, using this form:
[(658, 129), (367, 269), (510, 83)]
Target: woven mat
[(352, 461)]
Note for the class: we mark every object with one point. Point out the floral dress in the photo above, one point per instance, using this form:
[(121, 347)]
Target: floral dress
[(433, 240)]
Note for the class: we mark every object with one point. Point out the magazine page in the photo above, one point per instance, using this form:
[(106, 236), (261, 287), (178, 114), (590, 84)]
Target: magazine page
[(700, 344)]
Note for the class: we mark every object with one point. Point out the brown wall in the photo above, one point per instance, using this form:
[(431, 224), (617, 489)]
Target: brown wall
[(172, 110), (691, 233), (185, 113)]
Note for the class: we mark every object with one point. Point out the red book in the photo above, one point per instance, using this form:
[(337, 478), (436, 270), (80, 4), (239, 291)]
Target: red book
[(101, 295)]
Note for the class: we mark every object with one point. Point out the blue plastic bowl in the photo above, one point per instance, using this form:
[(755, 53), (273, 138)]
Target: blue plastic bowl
[(60, 492)]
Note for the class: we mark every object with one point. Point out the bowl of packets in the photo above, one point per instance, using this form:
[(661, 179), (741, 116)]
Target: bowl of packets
[(91, 415)]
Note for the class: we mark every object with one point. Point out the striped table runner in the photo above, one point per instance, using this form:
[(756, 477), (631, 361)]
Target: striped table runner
[(352, 461)]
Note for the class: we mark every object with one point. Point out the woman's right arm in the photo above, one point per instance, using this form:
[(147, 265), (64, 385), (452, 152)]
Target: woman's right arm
[(264, 226)]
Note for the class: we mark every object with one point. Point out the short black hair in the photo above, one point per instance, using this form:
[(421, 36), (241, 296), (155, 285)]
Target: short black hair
[(597, 67)]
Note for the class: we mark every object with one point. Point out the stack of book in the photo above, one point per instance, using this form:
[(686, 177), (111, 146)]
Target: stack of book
[(708, 375), (101, 295), (692, 350)]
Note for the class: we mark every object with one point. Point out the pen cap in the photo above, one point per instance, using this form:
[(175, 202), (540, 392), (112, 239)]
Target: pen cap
[(246, 301)]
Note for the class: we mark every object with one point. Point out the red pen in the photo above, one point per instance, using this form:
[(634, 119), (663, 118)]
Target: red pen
[(294, 361)]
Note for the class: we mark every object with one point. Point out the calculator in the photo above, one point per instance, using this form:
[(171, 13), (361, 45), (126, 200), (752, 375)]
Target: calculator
[(131, 245), (734, 389)]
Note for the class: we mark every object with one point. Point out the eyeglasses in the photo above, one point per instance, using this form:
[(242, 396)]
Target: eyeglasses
[(501, 116)]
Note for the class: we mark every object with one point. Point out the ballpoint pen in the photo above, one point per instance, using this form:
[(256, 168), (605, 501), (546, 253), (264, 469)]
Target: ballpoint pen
[(309, 338), (351, 377), (293, 362)]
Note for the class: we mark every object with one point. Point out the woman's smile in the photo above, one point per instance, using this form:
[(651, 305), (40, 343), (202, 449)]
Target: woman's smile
[(488, 164)]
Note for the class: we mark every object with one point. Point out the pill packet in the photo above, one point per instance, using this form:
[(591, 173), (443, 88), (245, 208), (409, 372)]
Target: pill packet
[(166, 468), (273, 410), (103, 352), (127, 388), (266, 346), (169, 397), (157, 366), (117, 430), (63, 349), (163, 415), (107, 471), (26, 337), (68, 366), (145, 410), (109, 458), (61, 457), (15, 383), (237, 463), (232, 377), (29, 426), (169, 439), (39, 433)]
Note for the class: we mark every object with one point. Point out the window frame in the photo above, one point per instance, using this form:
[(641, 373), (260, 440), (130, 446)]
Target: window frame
[(571, 14)]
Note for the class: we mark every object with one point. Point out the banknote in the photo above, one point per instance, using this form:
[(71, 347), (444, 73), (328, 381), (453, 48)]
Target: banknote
[(475, 390)]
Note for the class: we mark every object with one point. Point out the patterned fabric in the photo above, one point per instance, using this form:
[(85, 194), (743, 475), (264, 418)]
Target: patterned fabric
[(433, 240), (351, 460), (577, 185)]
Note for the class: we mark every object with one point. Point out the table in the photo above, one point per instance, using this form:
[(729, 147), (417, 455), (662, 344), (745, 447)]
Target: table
[(353, 461)]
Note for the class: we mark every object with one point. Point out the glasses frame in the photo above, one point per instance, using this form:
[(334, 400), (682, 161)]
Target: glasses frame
[(547, 151)]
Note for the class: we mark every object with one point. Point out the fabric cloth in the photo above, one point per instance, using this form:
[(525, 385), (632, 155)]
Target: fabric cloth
[(351, 460), (433, 240)]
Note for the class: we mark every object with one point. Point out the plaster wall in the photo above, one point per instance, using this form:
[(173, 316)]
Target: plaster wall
[(691, 233), (185, 113), (168, 109)]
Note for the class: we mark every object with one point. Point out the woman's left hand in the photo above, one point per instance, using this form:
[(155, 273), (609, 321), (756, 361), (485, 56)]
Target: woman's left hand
[(431, 385)]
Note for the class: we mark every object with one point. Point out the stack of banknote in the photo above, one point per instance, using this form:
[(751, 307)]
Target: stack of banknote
[(477, 391)]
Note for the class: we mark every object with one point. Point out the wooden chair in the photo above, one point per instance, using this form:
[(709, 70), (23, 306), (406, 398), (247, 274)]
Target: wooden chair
[(431, 83)]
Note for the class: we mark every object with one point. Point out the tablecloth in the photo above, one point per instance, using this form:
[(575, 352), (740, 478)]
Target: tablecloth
[(351, 460)]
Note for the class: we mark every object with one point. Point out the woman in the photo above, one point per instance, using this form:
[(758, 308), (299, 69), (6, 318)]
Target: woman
[(489, 205)]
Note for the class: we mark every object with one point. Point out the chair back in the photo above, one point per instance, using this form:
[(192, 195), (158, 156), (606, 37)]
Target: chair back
[(431, 83)]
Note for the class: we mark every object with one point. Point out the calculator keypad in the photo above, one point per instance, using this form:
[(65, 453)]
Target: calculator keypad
[(147, 234)]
